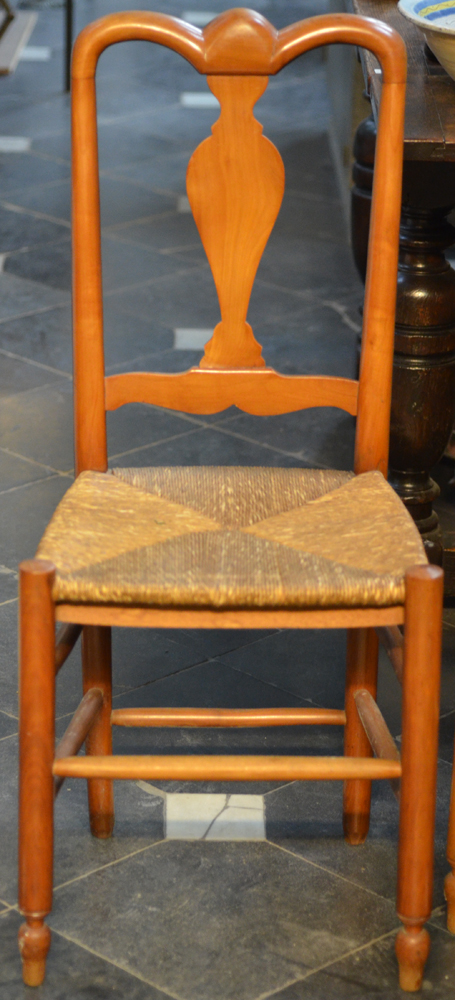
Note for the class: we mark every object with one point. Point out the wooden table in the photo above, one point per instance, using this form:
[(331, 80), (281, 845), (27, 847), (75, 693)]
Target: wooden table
[(423, 405)]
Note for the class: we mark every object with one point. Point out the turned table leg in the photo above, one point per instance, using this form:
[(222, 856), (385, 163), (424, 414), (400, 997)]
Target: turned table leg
[(423, 394)]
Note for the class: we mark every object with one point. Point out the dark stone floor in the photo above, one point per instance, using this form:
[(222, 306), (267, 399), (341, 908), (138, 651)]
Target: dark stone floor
[(298, 916)]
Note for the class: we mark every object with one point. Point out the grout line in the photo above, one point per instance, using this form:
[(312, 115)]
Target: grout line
[(33, 482), (329, 871), (151, 281), (111, 961), (11, 207), (35, 364), (142, 447), (333, 961), (10, 600), (32, 461), (176, 673), (110, 864), (35, 312)]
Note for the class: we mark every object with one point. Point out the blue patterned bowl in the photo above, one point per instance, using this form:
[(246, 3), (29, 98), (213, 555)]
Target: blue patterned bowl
[(437, 22)]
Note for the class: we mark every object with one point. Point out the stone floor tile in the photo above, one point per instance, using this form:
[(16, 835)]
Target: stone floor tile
[(25, 512), (73, 972), (373, 972), (207, 446), (8, 726), (309, 664), (193, 816), (18, 376), (21, 229), (306, 818), (15, 471), (20, 170), (243, 918), (170, 231), (19, 296), (321, 439), (120, 201)]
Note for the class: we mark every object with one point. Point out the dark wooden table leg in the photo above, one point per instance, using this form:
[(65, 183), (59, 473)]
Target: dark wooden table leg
[(423, 397)]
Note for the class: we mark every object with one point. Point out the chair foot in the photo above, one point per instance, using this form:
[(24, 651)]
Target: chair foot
[(355, 828), (34, 944), (412, 947), (102, 824), (449, 892)]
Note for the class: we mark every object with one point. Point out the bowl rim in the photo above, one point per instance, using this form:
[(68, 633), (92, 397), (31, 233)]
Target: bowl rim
[(405, 8)]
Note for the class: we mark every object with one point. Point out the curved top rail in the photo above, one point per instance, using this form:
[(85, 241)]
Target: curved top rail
[(240, 41)]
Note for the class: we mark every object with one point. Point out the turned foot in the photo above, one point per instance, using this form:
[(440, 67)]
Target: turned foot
[(412, 947), (449, 892), (34, 944)]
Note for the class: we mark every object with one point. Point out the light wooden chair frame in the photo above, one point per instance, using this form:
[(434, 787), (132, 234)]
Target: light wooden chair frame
[(238, 52)]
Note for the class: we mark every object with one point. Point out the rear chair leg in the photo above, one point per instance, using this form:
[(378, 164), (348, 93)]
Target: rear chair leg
[(449, 884), (362, 672), (96, 670), (36, 741), (421, 683)]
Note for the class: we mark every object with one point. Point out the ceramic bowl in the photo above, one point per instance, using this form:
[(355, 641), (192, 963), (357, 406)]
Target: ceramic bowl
[(437, 22)]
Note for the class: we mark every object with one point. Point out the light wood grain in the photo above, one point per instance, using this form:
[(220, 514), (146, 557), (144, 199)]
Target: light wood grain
[(231, 768), (135, 617), (261, 392), (227, 717)]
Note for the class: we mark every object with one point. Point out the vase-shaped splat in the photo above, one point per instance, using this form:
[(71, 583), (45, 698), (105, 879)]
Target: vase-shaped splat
[(235, 184)]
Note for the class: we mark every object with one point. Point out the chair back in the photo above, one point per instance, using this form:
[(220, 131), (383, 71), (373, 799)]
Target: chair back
[(235, 185)]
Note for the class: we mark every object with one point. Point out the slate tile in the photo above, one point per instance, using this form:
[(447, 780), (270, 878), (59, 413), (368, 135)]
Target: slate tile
[(19, 296), (307, 663), (243, 918), (8, 726), (8, 585), (170, 231), (322, 437), (16, 471), (164, 170), (302, 264), (18, 170), (20, 229), (25, 512), (373, 972), (208, 446), (72, 972), (306, 818), (18, 376), (120, 201)]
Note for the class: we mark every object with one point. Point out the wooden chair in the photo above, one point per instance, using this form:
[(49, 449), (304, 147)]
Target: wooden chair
[(228, 547)]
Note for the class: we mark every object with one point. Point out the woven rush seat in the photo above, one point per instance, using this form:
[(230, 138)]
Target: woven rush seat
[(238, 537)]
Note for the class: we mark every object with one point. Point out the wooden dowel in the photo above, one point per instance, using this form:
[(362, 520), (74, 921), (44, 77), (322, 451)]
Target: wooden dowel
[(392, 639), (78, 729), (230, 768), (377, 731), (225, 717), (66, 640)]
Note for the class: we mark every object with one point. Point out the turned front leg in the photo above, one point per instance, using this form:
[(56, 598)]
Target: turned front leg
[(361, 672), (36, 785), (421, 682)]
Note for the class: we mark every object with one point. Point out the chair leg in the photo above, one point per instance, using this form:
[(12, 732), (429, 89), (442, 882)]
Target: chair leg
[(449, 884), (421, 684), (96, 669), (36, 786), (362, 672)]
